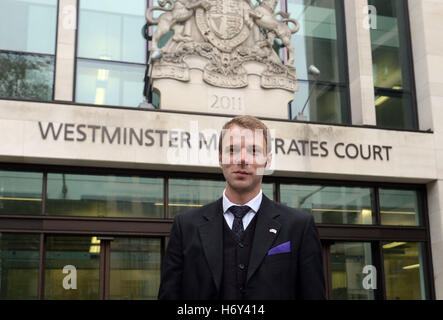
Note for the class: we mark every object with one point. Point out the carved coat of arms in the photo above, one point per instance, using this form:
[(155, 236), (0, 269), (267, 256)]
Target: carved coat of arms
[(227, 34), (225, 18)]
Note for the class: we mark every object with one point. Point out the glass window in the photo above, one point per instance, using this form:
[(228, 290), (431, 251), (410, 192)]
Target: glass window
[(392, 109), (28, 25), (348, 261), (104, 196), (21, 192), (392, 65), (107, 83), (268, 190), (324, 104), (320, 42), (19, 261), (334, 205), (111, 30), (111, 60), (403, 271), (135, 268), (399, 207), (29, 76), (27, 48), (72, 268), (185, 194)]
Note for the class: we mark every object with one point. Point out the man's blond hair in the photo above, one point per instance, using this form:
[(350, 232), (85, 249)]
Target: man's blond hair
[(246, 122)]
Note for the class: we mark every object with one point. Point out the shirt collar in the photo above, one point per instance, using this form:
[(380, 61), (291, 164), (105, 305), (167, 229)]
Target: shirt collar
[(254, 203)]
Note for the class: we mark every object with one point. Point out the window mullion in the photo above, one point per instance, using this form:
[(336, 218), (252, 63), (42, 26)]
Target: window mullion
[(376, 206), (41, 269), (377, 256)]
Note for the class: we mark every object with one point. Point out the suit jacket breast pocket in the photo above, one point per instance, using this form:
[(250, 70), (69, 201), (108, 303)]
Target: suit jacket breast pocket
[(277, 267), (284, 258)]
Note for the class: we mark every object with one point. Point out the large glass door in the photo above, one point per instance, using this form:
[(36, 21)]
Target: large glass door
[(349, 270), (374, 270), (72, 267), (134, 268), (19, 266), (101, 267)]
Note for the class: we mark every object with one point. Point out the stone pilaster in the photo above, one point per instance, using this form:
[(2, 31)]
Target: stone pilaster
[(361, 83), (66, 42), (427, 46)]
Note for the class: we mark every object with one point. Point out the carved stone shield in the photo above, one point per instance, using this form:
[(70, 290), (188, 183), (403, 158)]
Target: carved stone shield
[(223, 24), (225, 18)]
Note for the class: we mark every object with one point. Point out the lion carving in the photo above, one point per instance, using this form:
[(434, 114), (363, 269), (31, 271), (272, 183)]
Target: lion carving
[(179, 12), (265, 18)]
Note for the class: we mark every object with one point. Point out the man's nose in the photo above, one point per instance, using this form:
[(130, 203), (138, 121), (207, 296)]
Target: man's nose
[(243, 156), (240, 157)]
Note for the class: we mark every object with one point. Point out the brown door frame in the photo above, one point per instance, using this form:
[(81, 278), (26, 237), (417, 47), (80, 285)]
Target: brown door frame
[(105, 267), (326, 252)]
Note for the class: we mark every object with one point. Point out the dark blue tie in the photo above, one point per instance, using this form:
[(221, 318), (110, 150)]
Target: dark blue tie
[(239, 212)]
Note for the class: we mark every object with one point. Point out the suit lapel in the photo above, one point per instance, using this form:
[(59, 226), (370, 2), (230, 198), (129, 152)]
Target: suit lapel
[(263, 238), (212, 240)]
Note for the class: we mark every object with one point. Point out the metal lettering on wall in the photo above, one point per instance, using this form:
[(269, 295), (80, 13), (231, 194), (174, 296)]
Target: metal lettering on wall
[(176, 139), (226, 34)]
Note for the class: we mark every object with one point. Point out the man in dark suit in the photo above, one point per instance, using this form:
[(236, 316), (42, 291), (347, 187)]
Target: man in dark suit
[(243, 246)]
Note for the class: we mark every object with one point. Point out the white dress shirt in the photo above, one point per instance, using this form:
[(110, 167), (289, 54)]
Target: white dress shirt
[(254, 204)]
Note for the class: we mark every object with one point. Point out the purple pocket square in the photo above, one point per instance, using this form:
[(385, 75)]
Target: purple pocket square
[(282, 248)]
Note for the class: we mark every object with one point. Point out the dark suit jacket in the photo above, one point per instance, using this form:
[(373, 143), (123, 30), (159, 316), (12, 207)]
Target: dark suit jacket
[(192, 266)]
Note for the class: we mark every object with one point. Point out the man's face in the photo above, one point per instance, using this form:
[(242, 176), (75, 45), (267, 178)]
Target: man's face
[(243, 158)]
